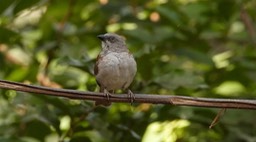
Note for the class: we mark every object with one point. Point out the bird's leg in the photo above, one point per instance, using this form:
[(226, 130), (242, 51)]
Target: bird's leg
[(106, 93), (131, 96)]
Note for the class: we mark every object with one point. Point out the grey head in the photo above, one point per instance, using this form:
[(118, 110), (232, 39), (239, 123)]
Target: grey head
[(112, 42)]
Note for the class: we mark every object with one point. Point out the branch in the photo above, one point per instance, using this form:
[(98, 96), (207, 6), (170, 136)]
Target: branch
[(140, 98), (247, 20)]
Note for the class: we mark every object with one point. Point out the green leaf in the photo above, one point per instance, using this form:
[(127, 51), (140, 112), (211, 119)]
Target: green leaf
[(5, 4), (8, 36), (24, 4), (170, 14), (174, 80)]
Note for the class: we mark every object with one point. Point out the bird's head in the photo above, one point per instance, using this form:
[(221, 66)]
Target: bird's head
[(112, 42)]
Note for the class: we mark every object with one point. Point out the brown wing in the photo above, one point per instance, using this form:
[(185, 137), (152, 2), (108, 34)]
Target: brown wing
[(96, 70)]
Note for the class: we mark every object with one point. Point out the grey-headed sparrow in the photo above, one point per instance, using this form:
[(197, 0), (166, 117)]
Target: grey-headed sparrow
[(115, 66)]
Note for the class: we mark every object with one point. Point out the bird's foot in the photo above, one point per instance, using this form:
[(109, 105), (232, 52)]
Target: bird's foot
[(104, 103), (107, 94), (131, 96)]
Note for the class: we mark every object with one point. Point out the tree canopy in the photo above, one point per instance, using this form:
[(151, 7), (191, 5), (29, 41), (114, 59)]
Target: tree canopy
[(197, 48)]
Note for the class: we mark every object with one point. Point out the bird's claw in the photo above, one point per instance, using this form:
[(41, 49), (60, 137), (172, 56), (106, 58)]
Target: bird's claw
[(107, 94), (131, 96), (104, 103)]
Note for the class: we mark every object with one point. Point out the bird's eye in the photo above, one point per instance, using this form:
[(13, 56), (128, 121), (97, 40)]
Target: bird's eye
[(111, 39)]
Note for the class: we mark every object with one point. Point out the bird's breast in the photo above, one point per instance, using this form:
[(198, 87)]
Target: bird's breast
[(116, 70)]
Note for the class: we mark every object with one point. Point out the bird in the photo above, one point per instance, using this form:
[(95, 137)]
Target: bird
[(115, 66)]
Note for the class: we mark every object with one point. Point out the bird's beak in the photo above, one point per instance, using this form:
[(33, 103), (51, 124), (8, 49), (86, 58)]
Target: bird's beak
[(101, 37)]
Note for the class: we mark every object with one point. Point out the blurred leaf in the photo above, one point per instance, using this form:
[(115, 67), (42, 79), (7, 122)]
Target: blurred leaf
[(21, 5), (5, 5), (16, 139), (196, 12), (195, 55), (8, 36), (174, 80), (230, 88), (37, 125), (170, 14)]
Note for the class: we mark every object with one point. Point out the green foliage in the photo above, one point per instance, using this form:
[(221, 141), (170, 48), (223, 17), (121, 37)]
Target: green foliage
[(182, 47)]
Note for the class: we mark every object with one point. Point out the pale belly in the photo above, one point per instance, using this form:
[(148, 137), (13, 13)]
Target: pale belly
[(116, 71)]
